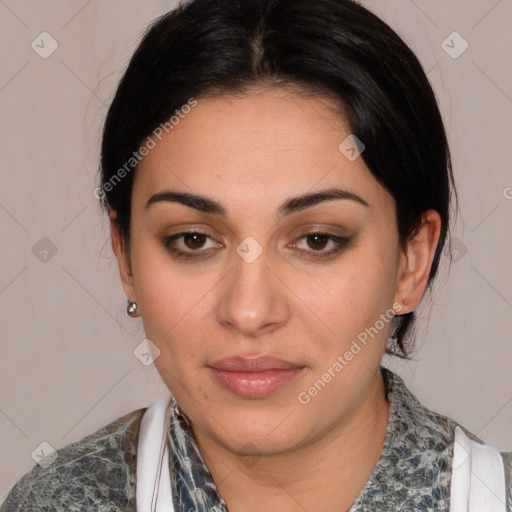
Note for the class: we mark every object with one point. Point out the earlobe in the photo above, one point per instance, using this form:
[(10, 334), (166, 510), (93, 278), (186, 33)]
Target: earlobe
[(416, 262)]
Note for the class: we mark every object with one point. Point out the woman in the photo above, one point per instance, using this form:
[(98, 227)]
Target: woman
[(278, 182)]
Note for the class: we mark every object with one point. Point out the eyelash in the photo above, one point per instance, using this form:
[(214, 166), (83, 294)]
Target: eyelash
[(341, 243)]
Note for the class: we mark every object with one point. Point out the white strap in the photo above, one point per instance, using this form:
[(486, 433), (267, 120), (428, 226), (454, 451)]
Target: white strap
[(153, 491), (478, 477)]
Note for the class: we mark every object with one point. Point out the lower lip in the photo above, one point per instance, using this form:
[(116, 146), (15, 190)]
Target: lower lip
[(255, 384)]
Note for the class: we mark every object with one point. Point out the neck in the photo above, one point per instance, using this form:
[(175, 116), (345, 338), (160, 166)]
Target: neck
[(327, 474)]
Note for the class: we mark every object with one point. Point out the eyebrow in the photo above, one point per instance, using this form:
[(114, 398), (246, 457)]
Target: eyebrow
[(290, 205)]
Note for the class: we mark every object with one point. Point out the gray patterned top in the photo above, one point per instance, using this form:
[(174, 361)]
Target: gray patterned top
[(98, 472)]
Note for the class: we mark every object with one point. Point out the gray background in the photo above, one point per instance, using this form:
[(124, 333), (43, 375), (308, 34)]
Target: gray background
[(67, 365)]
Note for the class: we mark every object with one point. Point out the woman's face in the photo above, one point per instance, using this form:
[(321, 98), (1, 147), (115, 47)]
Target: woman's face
[(256, 282)]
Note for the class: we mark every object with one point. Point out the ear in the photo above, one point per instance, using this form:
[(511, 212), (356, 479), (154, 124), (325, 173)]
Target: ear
[(416, 262), (119, 246)]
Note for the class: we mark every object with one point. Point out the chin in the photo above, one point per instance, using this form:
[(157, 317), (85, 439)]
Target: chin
[(260, 430)]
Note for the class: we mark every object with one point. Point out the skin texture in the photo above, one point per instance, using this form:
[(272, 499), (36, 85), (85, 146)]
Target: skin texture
[(250, 153)]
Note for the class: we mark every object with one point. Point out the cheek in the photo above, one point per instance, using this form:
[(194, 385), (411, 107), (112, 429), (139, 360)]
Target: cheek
[(167, 293), (177, 306), (351, 296)]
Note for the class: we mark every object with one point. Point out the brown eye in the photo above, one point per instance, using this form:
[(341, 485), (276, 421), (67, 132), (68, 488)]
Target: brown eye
[(319, 240), (189, 244), (194, 240)]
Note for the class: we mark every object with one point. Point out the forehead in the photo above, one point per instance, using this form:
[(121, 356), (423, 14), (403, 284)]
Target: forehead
[(259, 144)]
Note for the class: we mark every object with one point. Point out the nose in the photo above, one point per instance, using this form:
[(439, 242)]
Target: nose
[(253, 300)]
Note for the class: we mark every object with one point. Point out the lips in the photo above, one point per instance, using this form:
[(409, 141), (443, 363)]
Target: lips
[(255, 364), (254, 377)]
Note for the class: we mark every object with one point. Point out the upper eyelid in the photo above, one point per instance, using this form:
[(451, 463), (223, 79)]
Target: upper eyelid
[(181, 234)]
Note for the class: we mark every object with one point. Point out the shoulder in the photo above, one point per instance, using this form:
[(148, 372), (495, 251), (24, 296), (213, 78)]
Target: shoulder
[(428, 438), (506, 457), (97, 470)]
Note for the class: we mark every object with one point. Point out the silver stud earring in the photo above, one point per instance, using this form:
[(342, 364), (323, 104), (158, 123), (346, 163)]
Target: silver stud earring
[(131, 308)]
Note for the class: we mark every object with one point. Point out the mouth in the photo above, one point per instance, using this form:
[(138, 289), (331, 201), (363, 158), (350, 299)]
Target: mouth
[(254, 377)]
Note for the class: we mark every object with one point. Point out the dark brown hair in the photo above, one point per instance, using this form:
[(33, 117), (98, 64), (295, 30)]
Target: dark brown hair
[(332, 47)]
